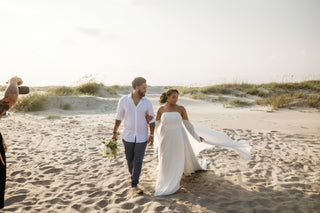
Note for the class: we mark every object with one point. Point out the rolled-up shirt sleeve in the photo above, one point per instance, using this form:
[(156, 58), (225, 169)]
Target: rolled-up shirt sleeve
[(120, 110), (151, 113)]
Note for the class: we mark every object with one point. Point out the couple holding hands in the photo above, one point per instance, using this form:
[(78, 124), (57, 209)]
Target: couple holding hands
[(175, 138)]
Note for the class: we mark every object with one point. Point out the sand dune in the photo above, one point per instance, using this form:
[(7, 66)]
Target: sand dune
[(55, 165)]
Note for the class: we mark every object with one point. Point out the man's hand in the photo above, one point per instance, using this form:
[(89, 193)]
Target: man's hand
[(150, 141), (115, 136), (115, 129), (149, 118)]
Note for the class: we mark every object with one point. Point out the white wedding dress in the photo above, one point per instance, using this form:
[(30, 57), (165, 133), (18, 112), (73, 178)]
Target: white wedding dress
[(176, 140)]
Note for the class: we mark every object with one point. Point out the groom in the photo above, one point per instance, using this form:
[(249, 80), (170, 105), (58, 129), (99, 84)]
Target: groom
[(137, 112)]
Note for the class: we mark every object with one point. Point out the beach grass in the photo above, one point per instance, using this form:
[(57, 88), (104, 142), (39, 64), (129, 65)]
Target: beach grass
[(65, 106), (30, 103), (53, 116), (276, 95), (62, 91), (238, 103), (90, 88), (275, 102)]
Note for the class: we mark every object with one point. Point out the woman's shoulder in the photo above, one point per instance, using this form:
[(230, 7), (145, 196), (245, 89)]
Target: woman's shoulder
[(181, 108), (161, 109)]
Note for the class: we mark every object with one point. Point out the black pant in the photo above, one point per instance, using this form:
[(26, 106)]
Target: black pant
[(2, 173), (134, 155)]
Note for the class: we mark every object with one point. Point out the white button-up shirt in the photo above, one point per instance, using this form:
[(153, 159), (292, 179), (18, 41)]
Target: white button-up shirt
[(135, 123)]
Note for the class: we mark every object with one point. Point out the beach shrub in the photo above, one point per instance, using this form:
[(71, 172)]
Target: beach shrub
[(65, 106), (313, 101), (112, 90), (30, 103), (239, 103), (63, 91), (53, 116), (275, 102), (219, 98), (254, 90), (91, 88), (199, 96), (217, 89), (116, 88)]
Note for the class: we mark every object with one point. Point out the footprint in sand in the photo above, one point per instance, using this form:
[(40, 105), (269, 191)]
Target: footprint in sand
[(111, 185), (128, 206), (42, 182), (15, 199), (142, 201), (120, 200), (159, 208), (102, 203), (21, 180), (53, 170), (76, 207)]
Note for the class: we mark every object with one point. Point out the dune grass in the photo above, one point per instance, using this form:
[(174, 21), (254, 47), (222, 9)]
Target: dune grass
[(313, 101), (90, 88), (275, 102), (276, 95), (30, 103), (39, 95), (238, 103), (65, 106), (62, 91), (53, 116)]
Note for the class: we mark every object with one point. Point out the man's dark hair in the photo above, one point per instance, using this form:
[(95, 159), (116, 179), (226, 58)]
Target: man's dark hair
[(138, 82)]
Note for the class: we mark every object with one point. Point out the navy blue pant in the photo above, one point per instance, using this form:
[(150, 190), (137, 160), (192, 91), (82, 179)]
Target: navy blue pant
[(134, 155), (2, 173)]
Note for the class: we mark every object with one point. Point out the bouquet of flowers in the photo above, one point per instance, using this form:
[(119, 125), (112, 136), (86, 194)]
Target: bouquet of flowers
[(110, 148)]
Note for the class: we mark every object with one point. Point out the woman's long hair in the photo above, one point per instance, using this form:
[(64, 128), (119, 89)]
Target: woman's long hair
[(164, 96)]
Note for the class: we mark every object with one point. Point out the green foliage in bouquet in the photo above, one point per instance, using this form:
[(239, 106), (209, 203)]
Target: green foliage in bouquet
[(110, 147)]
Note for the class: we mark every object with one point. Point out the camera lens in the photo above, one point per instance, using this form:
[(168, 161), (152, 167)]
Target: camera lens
[(23, 90)]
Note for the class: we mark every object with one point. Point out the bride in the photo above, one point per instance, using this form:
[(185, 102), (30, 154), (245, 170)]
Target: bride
[(176, 137)]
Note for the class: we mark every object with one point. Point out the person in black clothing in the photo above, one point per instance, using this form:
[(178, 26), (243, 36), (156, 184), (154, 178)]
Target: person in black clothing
[(9, 99)]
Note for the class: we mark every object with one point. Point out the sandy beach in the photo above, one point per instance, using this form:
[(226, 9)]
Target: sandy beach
[(55, 165)]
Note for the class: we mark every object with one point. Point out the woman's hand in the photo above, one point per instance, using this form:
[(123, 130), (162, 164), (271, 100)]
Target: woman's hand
[(150, 141)]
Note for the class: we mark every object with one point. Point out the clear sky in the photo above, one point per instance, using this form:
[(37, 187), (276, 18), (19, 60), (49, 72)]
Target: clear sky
[(169, 42)]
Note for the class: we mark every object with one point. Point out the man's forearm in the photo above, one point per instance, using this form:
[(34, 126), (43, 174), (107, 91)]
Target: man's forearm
[(116, 125)]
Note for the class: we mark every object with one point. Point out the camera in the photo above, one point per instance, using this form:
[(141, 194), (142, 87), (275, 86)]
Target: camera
[(23, 90)]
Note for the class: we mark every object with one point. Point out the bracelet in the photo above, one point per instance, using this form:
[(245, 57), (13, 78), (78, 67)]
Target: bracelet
[(115, 132), (151, 135)]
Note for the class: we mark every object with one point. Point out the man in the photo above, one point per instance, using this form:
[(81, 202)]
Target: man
[(9, 99), (137, 112)]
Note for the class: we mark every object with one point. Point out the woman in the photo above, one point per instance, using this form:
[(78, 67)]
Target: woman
[(174, 133)]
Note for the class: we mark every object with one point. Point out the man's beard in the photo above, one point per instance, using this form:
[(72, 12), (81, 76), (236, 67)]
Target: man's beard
[(141, 94)]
